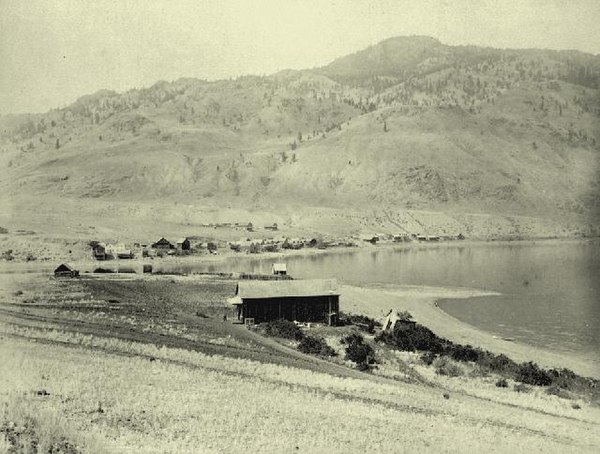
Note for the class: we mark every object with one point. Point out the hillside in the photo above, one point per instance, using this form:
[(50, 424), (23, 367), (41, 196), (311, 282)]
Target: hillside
[(409, 133)]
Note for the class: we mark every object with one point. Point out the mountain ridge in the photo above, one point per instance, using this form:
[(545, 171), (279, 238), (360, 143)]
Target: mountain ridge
[(407, 124)]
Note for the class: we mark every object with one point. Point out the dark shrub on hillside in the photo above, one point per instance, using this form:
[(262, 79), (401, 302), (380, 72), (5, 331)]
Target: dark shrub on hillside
[(530, 374), (564, 378), (284, 329), (315, 346), (363, 322), (413, 337), (464, 353), (502, 383), (359, 352), (499, 363)]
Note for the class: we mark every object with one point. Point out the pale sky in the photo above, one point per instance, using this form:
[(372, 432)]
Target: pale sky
[(53, 51)]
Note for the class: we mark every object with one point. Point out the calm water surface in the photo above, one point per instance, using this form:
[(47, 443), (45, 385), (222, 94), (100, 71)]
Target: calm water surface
[(549, 290)]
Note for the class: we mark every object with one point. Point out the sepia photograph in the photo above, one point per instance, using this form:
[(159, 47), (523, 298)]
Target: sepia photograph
[(299, 226)]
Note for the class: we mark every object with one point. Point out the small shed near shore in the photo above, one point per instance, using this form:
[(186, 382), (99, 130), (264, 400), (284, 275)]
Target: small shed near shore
[(65, 270), (279, 269), (314, 300)]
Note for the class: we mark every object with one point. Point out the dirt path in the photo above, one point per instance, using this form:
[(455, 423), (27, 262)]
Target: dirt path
[(258, 348)]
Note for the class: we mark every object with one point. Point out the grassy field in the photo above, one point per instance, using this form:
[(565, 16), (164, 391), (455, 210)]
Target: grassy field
[(126, 365)]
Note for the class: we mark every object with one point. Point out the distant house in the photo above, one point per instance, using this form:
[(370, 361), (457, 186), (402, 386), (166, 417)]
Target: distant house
[(119, 251), (314, 242), (422, 237), (272, 226), (293, 243), (401, 237), (125, 254), (433, 238), (183, 244), (65, 270), (163, 243), (99, 251), (315, 300), (279, 269), (373, 239), (250, 227)]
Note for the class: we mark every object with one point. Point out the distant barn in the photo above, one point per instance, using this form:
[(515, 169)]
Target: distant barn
[(163, 243), (316, 300), (65, 270)]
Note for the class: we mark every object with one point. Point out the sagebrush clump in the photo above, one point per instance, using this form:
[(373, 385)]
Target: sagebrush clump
[(358, 351), (284, 329), (315, 346)]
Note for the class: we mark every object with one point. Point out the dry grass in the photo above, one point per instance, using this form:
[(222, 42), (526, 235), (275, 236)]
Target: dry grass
[(30, 424), (149, 399), (129, 396)]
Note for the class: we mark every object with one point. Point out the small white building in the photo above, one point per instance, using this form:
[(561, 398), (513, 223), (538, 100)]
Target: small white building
[(279, 269)]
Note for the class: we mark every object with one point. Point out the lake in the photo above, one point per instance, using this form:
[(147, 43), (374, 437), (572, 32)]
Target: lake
[(549, 289)]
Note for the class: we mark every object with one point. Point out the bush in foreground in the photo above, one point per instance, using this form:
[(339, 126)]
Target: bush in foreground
[(359, 352), (284, 329), (315, 346)]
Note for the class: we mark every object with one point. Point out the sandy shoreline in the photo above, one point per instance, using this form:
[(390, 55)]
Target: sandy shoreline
[(420, 301)]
